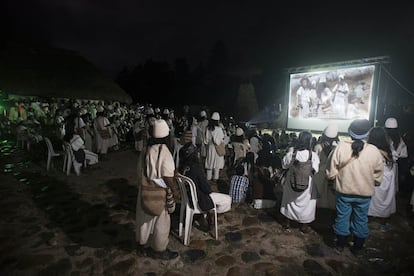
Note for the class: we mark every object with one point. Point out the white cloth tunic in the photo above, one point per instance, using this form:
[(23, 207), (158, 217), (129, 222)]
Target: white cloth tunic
[(213, 160), (102, 145), (383, 201), (296, 206), (158, 226)]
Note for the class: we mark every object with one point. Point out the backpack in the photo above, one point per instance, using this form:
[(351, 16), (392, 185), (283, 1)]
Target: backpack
[(297, 175), (79, 155)]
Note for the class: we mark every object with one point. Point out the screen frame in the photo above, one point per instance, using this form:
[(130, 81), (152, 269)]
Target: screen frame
[(317, 125)]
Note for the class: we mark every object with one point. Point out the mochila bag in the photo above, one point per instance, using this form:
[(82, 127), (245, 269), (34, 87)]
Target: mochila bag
[(220, 149), (153, 197)]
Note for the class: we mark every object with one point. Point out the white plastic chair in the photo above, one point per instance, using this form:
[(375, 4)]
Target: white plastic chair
[(185, 184), (50, 153), (70, 160)]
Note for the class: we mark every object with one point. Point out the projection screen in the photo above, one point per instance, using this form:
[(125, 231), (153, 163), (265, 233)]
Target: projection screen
[(337, 95)]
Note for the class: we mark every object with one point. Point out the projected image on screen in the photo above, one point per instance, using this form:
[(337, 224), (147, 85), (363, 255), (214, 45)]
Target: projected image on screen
[(340, 95)]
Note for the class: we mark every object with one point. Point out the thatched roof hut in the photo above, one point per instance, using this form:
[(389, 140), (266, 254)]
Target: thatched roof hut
[(57, 73)]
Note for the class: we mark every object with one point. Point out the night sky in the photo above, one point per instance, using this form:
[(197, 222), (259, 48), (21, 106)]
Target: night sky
[(113, 34)]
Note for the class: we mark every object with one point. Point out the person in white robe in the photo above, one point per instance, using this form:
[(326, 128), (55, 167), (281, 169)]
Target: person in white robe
[(240, 145), (102, 125), (156, 161), (214, 135), (300, 206), (383, 203), (398, 147)]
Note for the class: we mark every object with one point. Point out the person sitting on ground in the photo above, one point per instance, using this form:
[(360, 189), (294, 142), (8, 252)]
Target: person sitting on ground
[(191, 167), (239, 185), (263, 186)]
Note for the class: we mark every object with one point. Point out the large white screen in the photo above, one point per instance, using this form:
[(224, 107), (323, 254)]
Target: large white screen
[(339, 95)]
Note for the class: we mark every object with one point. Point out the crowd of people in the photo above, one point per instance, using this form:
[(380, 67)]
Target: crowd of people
[(359, 174)]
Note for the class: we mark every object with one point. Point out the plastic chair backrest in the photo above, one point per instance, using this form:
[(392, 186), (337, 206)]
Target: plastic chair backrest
[(190, 186), (49, 145)]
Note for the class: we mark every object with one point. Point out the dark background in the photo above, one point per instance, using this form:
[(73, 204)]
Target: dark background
[(178, 51)]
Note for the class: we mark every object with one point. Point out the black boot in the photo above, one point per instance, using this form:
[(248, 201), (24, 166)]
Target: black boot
[(162, 255), (340, 243), (356, 249)]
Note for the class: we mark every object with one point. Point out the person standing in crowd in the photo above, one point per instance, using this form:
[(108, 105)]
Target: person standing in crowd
[(214, 136), (239, 185), (103, 131), (399, 151), (255, 143), (240, 145), (383, 201), (191, 167), (203, 123), (327, 143), (356, 167), (156, 162), (88, 132), (300, 206)]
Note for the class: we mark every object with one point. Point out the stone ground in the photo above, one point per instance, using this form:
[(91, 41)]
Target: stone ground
[(53, 224)]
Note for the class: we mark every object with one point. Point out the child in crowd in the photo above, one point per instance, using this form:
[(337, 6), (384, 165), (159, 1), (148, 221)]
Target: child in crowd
[(239, 185)]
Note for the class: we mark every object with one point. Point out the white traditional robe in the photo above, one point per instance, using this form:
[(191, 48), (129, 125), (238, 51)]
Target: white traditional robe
[(296, 206)]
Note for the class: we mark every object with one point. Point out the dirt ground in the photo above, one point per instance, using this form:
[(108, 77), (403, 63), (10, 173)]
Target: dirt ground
[(54, 224)]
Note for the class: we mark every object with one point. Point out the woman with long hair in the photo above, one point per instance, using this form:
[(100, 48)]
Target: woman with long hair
[(383, 201), (327, 143), (356, 167), (214, 136), (400, 152)]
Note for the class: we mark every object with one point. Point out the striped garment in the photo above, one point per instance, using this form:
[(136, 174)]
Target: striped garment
[(238, 188)]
